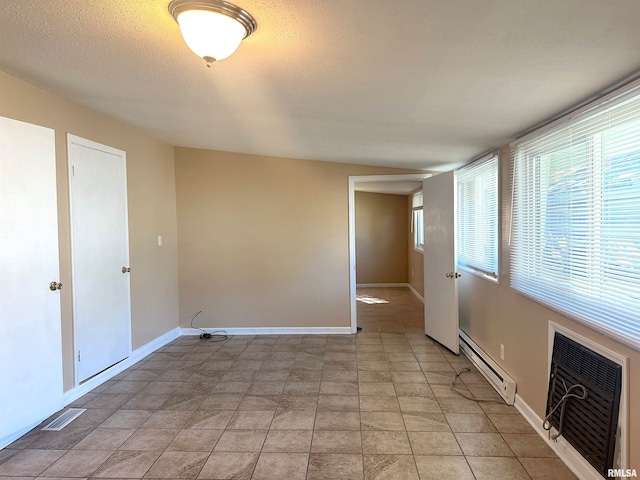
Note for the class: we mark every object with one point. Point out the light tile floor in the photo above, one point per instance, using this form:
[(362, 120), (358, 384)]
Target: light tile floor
[(373, 406)]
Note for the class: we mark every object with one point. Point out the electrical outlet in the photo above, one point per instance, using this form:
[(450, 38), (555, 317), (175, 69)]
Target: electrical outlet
[(502, 351)]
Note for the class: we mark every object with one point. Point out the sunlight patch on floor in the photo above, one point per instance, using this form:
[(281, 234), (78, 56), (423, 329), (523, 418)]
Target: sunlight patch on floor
[(369, 300)]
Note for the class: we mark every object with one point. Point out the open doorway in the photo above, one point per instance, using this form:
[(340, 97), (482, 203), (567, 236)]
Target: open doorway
[(394, 184)]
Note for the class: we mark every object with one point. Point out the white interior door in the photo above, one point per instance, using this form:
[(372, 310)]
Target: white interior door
[(30, 326), (441, 320), (100, 250)]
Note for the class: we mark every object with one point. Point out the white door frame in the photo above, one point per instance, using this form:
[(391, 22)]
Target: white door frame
[(73, 139), (352, 228)]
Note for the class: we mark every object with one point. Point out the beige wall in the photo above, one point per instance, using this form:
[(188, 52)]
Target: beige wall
[(152, 210), (415, 257), (263, 241), (381, 238), (493, 314)]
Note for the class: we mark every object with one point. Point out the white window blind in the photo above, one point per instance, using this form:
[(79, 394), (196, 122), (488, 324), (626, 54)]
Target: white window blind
[(417, 222), (575, 242), (417, 200), (478, 216)]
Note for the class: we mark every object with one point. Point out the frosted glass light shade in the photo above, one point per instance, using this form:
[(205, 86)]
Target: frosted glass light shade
[(212, 29), (210, 34)]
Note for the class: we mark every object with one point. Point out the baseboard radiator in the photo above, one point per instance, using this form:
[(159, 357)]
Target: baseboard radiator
[(588, 420), (495, 375)]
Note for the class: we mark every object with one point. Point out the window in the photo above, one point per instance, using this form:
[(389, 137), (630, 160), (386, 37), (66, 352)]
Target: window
[(417, 221), (477, 222), (576, 217)]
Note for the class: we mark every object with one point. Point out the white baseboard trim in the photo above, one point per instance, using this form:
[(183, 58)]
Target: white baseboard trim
[(572, 459), (415, 292), (272, 331), (137, 355), (9, 439)]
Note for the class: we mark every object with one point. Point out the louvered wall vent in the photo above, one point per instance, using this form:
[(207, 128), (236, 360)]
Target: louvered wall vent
[(65, 419), (589, 425)]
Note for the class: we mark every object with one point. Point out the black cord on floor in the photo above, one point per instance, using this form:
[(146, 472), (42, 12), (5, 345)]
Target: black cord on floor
[(215, 336), (464, 394), (219, 336)]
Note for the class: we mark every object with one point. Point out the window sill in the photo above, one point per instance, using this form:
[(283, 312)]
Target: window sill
[(419, 250), (476, 273)]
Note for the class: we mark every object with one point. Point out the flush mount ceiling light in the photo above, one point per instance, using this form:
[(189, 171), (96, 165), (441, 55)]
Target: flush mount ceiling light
[(213, 29)]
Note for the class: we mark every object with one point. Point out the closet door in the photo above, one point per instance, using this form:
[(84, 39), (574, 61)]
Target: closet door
[(100, 256), (30, 329)]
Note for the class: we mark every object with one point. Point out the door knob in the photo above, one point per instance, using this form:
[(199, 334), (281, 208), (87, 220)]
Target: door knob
[(453, 275), (126, 269), (53, 286)]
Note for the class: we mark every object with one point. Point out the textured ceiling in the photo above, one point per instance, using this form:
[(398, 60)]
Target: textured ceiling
[(414, 83)]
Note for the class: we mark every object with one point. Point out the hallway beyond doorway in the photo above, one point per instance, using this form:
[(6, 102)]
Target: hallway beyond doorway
[(389, 310)]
